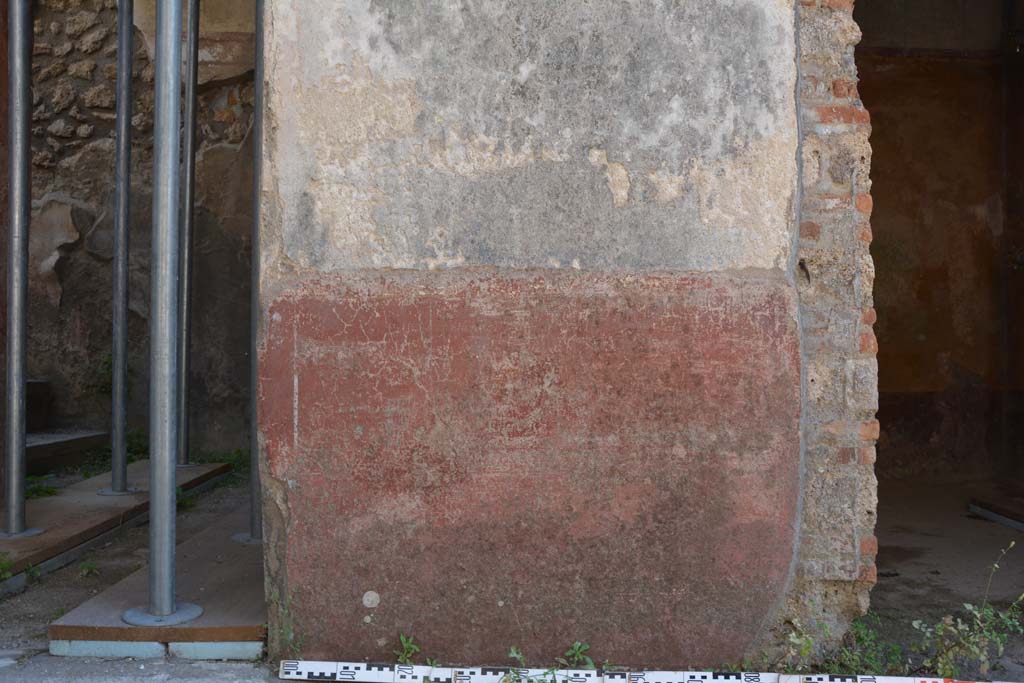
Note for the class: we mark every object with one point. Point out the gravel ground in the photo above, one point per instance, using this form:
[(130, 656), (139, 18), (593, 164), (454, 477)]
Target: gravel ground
[(47, 669)]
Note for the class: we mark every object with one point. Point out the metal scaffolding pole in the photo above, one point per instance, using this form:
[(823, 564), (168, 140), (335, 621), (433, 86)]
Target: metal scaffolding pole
[(188, 194), (163, 339), (19, 65), (255, 534), (122, 218)]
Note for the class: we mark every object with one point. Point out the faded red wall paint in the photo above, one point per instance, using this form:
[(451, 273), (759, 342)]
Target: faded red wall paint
[(532, 459)]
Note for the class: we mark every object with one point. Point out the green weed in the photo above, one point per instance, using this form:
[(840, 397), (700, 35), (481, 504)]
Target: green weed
[(98, 461), (516, 655), (408, 649), (6, 567), (88, 568), (239, 459), (36, 487), (954, 642), (863, 652), (184, 501), (576, 657)]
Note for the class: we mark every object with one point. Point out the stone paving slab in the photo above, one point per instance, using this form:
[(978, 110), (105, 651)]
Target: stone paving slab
[(224, 577)]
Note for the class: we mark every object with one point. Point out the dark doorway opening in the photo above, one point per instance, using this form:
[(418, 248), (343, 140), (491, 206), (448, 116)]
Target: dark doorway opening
[(943, 82)]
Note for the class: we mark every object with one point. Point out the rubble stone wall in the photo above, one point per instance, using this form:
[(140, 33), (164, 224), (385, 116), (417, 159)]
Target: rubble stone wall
[(74, 79)]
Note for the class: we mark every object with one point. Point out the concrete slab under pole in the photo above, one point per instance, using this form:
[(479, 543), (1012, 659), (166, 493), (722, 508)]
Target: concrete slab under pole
[(76, 515), (225, 576)]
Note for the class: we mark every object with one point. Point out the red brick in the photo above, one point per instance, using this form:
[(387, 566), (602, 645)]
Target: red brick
[(864, 203), (866, 455), (868, 574), (869, 546), (838, 428), (869, 316), (864, 233), (843, 88), (846, 456), (869, 430), (843, 114), (868, 342), (843, 5), (810, 231)]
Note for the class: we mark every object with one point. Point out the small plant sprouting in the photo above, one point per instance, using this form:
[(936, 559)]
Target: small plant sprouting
[(518, 673), (183, 500), (98, 460), (32, 573), (36, 487), (409, 649), (576, 657), (88, 568), (864, 651), (515, 675), (432, 662), (286, 633), (799, 653), (516, 655), (6, 567)]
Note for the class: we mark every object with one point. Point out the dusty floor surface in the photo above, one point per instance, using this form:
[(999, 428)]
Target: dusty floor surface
[(934, 556)]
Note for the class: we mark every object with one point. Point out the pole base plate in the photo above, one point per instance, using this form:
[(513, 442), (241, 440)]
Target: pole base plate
[(183, 612), (27, 533), (112, 492), (245, 538)]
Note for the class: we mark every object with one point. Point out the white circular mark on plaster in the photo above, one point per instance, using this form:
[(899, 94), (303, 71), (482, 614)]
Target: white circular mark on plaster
[(501, 603), (371, 599), (367, 619)]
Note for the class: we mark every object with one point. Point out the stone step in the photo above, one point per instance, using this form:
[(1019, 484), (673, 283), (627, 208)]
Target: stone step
[(54, 449), (38, 398)]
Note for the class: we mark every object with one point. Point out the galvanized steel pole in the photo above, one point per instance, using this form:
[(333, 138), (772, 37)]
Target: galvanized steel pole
[(255, 495), (188, 190), (163, 339), (19, 73), (122, 218)]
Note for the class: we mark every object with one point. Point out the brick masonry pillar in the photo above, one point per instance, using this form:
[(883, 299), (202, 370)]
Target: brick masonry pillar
[(836, 562)]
